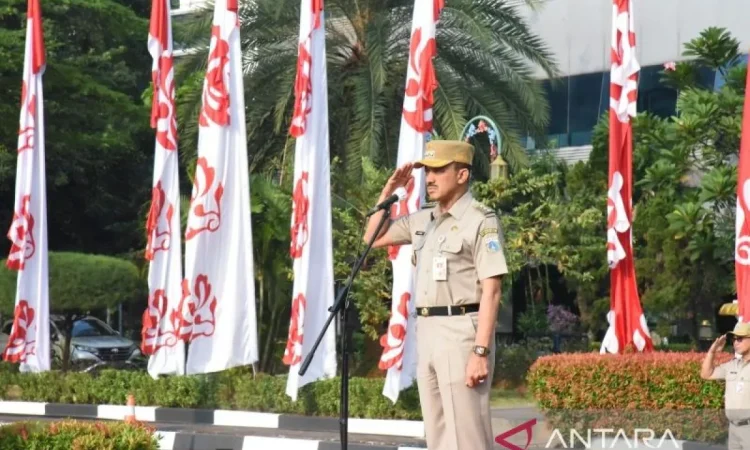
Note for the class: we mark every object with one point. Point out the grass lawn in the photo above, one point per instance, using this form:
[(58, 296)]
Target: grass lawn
[(503, 397)]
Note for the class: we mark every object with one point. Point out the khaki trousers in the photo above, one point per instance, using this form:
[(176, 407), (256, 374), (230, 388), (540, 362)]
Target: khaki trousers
[(456, 417), (739, 437)]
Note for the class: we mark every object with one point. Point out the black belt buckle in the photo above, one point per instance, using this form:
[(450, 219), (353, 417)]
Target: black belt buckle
[(427, 311)]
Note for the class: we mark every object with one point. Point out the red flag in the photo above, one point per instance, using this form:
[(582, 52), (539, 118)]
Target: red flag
[(742, 237), (627, 324)]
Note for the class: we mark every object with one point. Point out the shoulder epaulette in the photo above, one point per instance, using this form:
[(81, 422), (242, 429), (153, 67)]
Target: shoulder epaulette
[(486, 210)]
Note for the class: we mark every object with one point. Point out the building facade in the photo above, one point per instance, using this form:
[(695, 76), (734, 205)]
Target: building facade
[(579, 32)]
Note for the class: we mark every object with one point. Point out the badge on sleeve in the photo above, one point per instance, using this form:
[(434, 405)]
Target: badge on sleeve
[(493, 243)]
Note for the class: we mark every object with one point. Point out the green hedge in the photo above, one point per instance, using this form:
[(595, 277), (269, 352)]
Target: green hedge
[(659, 391), (236, 389), (67, 435)]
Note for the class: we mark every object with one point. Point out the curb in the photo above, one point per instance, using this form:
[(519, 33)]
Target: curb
[(217, 417), (170, 440)]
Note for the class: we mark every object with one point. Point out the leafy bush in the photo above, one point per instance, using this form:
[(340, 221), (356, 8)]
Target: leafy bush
[(67, 435), (560, 319), (81, 282), (513, 363), (236, 389), (659, 391)]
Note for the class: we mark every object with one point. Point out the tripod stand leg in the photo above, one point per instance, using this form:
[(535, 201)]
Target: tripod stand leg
[(344, 419)]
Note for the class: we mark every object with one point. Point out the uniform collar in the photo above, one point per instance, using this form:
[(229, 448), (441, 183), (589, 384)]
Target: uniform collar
[(458, 209)]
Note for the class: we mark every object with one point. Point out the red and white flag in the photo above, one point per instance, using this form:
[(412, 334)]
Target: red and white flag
[(217, 309), (742, 236), (399, 345), (160, 333), (29, 341), (311, 231), (627, 324)]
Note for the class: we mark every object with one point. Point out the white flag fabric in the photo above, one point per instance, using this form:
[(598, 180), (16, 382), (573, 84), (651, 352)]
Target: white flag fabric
[(399, 346), (311, 231), (29, 340), (160, 331), (217, 310)]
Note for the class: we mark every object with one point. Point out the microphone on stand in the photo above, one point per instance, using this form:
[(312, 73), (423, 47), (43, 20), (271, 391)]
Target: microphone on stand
[(399, 194)]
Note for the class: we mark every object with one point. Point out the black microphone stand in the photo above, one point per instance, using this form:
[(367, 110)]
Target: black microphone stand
[(341, 305)]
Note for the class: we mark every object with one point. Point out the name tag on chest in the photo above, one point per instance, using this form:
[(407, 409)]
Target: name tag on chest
[(439, 268)]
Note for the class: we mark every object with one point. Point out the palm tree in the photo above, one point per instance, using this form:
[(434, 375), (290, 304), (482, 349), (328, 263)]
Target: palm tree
[(485, 64)]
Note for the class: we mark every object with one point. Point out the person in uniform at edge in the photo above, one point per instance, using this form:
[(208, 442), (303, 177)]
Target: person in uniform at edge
[(736, 372), (459, 262)]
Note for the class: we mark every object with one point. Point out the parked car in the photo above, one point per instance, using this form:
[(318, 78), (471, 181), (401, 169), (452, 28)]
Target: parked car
[(92, 341)]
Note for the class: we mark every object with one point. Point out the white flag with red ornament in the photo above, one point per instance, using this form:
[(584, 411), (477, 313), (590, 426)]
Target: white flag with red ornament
[(627, 324), (29, 340), (160, 333), (217, 309), (311, 246), (742, 236), (399, 355)]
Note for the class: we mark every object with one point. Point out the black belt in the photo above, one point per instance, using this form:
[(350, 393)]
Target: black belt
[(456, 310), (741, 423)]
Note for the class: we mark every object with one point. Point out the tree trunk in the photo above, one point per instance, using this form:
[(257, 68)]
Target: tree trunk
[(67, 332), (370, 359), (269, 339)]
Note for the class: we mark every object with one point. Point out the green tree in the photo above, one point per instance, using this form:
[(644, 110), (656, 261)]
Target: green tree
[(79, 284), (98, 140), (485, 59)]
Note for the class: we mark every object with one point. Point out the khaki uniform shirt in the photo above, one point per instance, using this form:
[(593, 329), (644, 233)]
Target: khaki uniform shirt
[(470, 239), (737, 394)]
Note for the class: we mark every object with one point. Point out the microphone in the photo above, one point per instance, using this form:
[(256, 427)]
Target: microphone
[(399, 194)]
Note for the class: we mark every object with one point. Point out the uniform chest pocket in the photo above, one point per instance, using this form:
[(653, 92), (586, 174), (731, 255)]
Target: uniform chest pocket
[(452, 245)]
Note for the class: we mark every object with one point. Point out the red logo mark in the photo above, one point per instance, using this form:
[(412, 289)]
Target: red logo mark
[(21, 235), (197, 310), (293, 351), (215, 90), (301, 206), (208, 219), (153, 335), (393, 341), (422, 81), (527, 426), (27, 131), (399, 209), (163, 116), (19, 346), (158, 240), (302, 91)]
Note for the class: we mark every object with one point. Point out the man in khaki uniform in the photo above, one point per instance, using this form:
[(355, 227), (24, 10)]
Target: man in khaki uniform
[(736, 372), (459, 262)]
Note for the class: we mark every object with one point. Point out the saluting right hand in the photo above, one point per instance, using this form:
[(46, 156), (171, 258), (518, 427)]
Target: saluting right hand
[(718, 344), (399, 179)]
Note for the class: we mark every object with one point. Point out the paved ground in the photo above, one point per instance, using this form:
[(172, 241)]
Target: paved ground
[(246, 431), (502, 420)]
